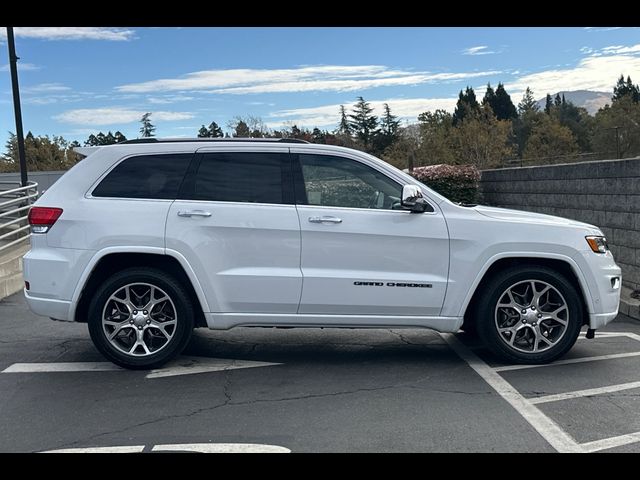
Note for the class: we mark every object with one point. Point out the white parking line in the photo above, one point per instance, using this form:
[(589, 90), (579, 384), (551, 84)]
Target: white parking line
[(192, 365), (127, 449), (611, 442), (545, 426), (589, 392), (569, 361), (221, 448), (61, 367)]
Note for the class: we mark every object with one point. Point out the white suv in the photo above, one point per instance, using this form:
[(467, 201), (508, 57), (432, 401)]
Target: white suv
[(146, 240)]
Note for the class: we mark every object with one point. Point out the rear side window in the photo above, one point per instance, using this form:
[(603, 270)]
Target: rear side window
[(242, 177), (146, 176)]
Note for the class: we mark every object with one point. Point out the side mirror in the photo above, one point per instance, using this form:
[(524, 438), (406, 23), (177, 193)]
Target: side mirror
[(412, 199)]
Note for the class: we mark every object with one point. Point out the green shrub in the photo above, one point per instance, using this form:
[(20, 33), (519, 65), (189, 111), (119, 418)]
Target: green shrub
[(459, 183)]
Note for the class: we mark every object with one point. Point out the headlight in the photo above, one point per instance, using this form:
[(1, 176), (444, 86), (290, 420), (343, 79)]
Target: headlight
[(598, 244)]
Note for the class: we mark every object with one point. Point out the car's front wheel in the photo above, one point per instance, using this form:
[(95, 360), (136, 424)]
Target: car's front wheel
[(529, 314), (140, 318)]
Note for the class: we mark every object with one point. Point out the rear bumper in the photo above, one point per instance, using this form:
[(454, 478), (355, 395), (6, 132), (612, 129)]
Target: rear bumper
[(48, 307)]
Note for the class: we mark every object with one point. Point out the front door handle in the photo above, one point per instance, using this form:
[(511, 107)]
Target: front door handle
[(325, 219), (193, 213)]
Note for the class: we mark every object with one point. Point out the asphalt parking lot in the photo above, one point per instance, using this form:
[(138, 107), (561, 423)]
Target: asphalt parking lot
[(314, 391)]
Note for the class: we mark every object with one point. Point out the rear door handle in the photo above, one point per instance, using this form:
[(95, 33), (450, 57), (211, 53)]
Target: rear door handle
[(325, 219), (193, 213)]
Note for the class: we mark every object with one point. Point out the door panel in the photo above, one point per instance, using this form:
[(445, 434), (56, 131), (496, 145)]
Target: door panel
[(236, 224), (247, 256), (377, 260)]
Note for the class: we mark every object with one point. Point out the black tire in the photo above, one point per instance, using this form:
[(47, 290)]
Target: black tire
[(491, 295), (181, 333)]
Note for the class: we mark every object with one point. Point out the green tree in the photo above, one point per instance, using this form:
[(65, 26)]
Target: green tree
[(214, 130), (528, 103), (549, 141), (120, 137), (557, 101), (621, 119), (577, 120), (502, 106), (435, 144), (363, 123), (623, 89), (388, 133), (548, 104), (489, 96), (203, 132), (242, 130), (147, 129), (467, 105), (344, 128), (41, 153), (482, 140)]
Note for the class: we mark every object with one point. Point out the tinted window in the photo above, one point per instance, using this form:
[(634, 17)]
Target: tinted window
[(145, 176), (341, 182), (240, 177)]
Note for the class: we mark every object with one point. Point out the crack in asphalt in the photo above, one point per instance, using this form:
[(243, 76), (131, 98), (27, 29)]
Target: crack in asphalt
[(228, 402)]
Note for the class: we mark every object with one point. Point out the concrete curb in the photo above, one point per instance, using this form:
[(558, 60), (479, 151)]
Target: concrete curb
[(629, 306)]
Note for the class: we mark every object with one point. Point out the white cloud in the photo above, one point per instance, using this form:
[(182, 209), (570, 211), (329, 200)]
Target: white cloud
[(328, 115), (601, 29), (22, 67), (72, 33), (115, 116), (301, 79), (168, 99), (621, 49), (479, 50), (46, 88), (597, 72)]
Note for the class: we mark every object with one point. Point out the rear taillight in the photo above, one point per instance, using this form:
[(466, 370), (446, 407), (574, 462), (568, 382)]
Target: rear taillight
[(42, 219)]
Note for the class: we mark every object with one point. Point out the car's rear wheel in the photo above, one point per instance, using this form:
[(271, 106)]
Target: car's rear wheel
[(140, 318), (529, 315)]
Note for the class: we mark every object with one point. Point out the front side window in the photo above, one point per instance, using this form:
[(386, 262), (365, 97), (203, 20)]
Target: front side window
[(145, 176), (340, 182), (240, 177)]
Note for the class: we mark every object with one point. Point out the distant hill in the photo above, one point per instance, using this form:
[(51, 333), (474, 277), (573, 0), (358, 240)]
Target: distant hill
[(591, 101)]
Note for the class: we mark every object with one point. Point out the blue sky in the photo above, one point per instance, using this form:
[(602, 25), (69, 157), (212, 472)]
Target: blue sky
[(81, 80)]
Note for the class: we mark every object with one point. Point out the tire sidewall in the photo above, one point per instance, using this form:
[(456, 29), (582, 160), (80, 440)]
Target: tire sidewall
[(487, 329), (171, 287)]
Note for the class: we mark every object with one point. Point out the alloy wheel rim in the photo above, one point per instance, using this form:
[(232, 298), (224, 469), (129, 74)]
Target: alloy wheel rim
[(139, 319), (531, 316)]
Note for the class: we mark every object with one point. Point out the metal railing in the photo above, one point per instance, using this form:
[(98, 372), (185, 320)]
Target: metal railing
[(14, 208)]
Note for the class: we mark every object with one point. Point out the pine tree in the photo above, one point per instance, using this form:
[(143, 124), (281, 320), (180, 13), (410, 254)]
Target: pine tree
[(503, 107), (528, 103), (343, 128), (203, 132), (119, 137), (623, 89), (389, 124), (466, 105), (557, 101), (109, 139), (242, 130), (92, 141), (147, 129), (214, 130), (548, 104), (362, 122), (489, 96)]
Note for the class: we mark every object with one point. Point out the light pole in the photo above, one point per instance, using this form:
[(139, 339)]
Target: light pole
[(13, 65)]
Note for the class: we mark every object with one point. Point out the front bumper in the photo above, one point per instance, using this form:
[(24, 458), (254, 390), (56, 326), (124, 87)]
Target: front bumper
[(604, 286)]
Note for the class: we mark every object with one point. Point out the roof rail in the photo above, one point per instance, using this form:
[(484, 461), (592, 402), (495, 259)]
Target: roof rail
[(235, 139)]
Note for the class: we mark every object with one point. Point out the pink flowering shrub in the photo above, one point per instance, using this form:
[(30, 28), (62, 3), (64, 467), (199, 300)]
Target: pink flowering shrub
[(459, 183)]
